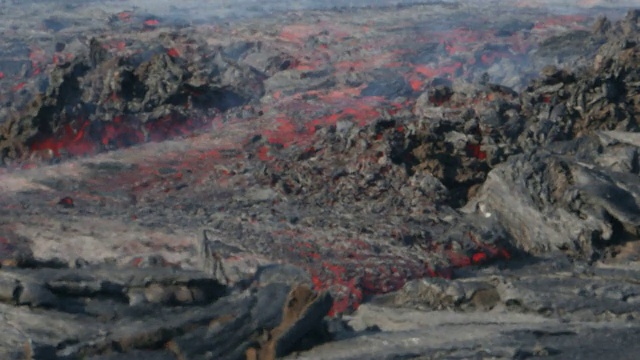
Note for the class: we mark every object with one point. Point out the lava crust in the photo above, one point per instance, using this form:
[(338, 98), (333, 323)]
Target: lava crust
[(320, 183)]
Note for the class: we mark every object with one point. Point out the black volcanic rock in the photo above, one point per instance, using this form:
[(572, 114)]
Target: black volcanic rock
[(465, 221)]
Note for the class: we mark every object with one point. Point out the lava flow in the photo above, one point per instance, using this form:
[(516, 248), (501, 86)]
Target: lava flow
[(84, 138), (329, 112)]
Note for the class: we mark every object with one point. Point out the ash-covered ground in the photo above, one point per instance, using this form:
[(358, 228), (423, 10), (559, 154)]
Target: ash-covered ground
[(336, 181)]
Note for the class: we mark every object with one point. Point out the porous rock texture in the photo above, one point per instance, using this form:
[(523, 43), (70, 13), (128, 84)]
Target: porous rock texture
[(437, 214)]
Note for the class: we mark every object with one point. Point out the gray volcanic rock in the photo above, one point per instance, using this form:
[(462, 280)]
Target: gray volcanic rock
[(92, 313), (574, 188), (544, 309), (547, 202), (397, 208)]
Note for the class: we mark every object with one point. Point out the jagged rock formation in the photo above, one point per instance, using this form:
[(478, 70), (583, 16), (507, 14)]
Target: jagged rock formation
[(340, 208)]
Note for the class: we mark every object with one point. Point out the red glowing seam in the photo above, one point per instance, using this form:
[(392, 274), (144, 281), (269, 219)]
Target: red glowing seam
[(305, 67), (350, 65), (458, 260), (212, 154), (492, 250), (285, 134), (474, 151), (340, 279), (137, 261), (18, 86), (151, 22), (124, 16), (298, 33), (263, 154), (66, 202), (416, 84), (77, 142), (351, 288), (431, 72), (479, 258), (173, 52)]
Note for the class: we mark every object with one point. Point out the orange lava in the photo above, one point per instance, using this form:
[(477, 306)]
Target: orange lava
[(431, 72), (73, 141), (285, 133), (151, 22), (263, 153), (18, 86), (298, 33), (173, 52), (474, 150), (124, 16)]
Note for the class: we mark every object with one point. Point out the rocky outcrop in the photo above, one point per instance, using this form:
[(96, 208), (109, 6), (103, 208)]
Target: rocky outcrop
[(397, 209), (549, 201), (65, 313), (548, 308)]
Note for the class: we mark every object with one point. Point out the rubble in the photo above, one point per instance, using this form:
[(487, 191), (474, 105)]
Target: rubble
[(324, 186), (139, 309), (539, 310)]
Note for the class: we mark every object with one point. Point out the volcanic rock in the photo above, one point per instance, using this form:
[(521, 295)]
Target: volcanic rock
[(302, 313), (530, 315), (87, 96), (576, 194), (369, 180), (549, 202), (101, 300)]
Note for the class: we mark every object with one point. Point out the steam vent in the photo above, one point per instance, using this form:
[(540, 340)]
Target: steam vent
[(368, 179)]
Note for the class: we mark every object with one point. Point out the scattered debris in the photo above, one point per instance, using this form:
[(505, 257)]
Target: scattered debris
[(388, 179)]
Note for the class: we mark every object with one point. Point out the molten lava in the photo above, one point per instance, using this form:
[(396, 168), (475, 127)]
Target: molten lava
[(84, 137)]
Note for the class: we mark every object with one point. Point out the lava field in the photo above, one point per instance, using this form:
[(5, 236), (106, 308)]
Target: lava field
[(405, 180)]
